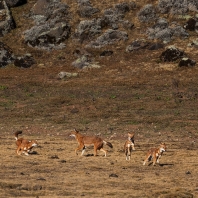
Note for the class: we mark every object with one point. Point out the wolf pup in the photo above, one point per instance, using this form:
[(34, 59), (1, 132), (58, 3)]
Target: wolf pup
[(24, 145), (155, 154), (129, 146), (84, 141)]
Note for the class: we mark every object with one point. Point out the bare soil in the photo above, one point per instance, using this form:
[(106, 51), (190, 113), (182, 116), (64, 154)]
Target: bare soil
[(131, 92)]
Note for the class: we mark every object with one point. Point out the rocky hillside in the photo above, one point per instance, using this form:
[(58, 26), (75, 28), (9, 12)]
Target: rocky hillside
[(83, 31)]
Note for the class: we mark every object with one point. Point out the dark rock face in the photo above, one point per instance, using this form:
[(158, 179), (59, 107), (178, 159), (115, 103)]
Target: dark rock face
[(192, 25), (14, 3), (25, 61), (171, 54), (106, 53), (6, 20), (6, 55), (52, 26), (186, 62)]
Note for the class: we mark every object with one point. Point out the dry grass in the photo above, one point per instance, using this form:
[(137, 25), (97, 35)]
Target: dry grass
[(55, 171)]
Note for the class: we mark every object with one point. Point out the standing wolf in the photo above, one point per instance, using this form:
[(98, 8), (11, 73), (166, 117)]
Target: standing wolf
[(129, 146), (84, 140)]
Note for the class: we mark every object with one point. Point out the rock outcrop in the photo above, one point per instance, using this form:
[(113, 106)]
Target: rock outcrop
[(52, 25), (6, 19), (6, 55)]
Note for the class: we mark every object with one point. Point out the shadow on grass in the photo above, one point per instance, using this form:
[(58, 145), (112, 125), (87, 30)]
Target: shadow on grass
[(33, 153), (89, 155), (165, 164)]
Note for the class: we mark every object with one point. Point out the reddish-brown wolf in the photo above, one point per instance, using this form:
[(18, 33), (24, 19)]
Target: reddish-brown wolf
[(155, 154), (84, 140), (24, 145), (129, 146)]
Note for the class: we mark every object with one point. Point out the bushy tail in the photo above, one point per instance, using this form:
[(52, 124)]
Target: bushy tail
[(108, 144), (16, 134)]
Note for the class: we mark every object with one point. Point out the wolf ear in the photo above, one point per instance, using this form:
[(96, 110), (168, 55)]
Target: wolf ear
[(76, 130), (131, 135)]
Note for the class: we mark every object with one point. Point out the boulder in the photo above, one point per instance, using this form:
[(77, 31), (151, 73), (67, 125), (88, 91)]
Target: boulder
[(81, 62), (114, 16), (163, 31), (123, 7), (171, 54), (106, 53), (40, 8), (177, 6), (6, 21), (194, 43), (109, 37), (63, 75), (48, 36), (85, 8), (111, 18), (136, 45), (24, 61), (6, 55), (44, 11), (87, 29), (186, 62), (147, 13), (191, 24), (52, 25), (127, 25), (133, 5)]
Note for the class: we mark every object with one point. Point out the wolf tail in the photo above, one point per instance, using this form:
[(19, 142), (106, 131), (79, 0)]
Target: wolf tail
[(16, 134), (108, 144)]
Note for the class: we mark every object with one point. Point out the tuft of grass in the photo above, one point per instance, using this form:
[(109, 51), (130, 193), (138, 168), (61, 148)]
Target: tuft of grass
[(3, 87)]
